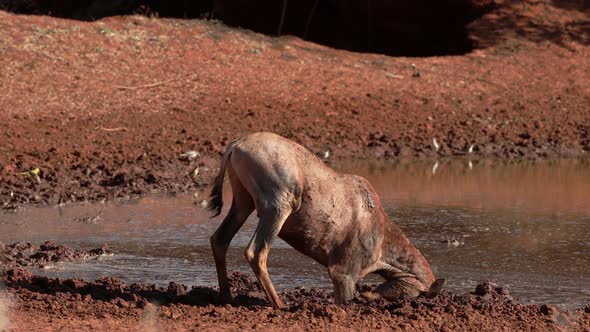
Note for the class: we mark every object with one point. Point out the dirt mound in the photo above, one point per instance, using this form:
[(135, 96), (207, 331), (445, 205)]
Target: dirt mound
[(21, 254)]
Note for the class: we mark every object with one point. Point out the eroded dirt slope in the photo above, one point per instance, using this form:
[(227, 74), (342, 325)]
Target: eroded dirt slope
[(105, 108)]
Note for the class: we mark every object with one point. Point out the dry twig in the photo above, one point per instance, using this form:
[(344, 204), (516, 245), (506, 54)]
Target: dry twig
[(151, 85), (112, 129)]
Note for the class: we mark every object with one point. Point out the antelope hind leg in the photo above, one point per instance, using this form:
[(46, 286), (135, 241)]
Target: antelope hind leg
[(242, 207)]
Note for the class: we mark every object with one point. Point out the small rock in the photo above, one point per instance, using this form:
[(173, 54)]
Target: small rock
[(324, 154), (416, 72), (142, 303), (166, 312), (546, 310), (491, 289), (103, 250), (453, 242), (122, 303), (175, 289), (195, 172)]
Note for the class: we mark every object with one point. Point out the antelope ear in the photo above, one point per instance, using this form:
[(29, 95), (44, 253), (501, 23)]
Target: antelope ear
[(435, 288), (370, 296)]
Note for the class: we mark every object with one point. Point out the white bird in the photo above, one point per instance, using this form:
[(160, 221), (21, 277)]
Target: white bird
[(471, 148), (435, 144), (189, 155), (195, 172)]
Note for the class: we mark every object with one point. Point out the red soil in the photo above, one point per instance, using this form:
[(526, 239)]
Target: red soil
[(43, 303), (104, 109)]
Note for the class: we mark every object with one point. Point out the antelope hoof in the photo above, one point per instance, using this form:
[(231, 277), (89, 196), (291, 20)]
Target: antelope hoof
[(279, 305)]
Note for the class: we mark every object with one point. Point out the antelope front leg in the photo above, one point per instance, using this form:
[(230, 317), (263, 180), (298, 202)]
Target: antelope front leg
[(268, 229), (343, 286)]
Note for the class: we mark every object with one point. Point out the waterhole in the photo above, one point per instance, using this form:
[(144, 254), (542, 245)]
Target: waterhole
[(525, 225)]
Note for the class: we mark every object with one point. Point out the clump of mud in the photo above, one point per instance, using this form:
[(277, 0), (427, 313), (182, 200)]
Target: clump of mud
[(109, 290), (20, 254)]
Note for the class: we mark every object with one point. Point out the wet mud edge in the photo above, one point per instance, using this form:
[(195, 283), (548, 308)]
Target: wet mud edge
[(111, 298)]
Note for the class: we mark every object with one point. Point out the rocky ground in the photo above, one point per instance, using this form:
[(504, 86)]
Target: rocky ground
[(104, 110)]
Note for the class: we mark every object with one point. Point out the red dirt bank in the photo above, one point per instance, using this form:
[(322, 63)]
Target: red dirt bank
[(104, 109)]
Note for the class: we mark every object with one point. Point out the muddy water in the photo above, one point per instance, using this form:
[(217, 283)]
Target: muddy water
[(525, 225)]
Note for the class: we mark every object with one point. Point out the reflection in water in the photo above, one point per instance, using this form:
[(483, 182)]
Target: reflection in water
[(552, 186), (522, 224)]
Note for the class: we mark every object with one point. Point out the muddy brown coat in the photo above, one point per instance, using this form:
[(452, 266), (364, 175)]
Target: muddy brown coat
[(334, 218)]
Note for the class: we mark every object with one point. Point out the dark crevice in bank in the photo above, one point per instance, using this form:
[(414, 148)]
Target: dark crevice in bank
[(403, 28)]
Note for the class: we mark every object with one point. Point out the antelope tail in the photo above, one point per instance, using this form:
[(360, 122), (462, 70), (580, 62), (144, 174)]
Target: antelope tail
[(215, 197)]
